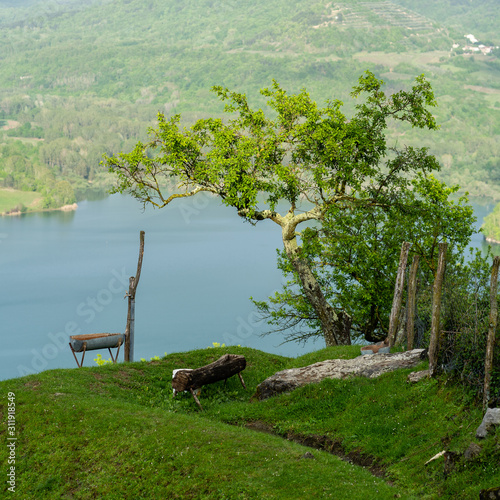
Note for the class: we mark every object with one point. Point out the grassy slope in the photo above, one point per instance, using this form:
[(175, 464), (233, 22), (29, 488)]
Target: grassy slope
[(116, 432), (10, 198)]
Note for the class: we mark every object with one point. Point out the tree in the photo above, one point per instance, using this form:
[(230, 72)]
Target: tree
[(354, 255), (307, 157)]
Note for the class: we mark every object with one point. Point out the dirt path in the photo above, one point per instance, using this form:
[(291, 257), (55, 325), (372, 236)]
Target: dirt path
[(11, 124)]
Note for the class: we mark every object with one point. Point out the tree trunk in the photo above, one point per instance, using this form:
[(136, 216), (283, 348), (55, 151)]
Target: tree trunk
[(369, 327), (133, 282), (400, 333), (398, 293), (436, 310), (412, 292), (488, 363), (336, 326)]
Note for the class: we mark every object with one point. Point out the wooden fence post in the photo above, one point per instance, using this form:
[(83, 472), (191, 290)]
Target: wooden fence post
[(133, 282), (398, 293), (436, 310), (410, 310), (488, 363)]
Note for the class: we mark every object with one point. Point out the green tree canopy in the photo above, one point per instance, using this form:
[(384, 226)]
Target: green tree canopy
[(314, 161), (354, 255)]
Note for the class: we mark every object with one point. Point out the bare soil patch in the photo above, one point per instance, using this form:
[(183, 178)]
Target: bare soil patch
[(484, 90), (11, 124)]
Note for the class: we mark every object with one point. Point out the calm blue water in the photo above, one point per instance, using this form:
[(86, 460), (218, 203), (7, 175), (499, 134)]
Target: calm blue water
[(67, 273)]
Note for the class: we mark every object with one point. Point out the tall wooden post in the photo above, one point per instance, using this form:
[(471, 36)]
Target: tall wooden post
[(133, 282), (398, 293), (410, 310), (488, 363), (130, 330), (436, 310)]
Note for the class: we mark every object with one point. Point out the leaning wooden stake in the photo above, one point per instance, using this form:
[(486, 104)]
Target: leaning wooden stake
[(488, 363), (133, 282), (398, 293), (436, 310), (412, 292)]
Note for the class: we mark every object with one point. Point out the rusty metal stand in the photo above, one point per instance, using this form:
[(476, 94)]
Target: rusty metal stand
[(83, 355), (117, 352)]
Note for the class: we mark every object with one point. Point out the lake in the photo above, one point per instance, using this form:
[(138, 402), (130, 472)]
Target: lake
[(66, 273)]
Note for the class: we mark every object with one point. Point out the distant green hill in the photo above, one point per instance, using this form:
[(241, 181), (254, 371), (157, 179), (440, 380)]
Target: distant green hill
[(90, 76), (480, 16)]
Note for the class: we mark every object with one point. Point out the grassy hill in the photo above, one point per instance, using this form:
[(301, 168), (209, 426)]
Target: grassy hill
[(86, 78), (115, 431), (19, 200)]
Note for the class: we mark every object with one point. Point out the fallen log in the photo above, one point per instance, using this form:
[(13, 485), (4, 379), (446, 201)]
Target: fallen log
[(370, 366), (191, 380)]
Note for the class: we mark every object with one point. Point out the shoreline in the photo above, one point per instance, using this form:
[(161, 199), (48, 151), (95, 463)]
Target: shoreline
[(491, 240), (65, 208)]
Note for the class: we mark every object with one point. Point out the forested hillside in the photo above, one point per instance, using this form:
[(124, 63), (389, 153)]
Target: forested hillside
[(84, 78)]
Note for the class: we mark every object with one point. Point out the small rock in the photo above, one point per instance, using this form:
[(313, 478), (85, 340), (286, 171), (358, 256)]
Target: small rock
[(490, 420), (308, 454), (490, 493), (472, 451), (415, 377), (450, 459)]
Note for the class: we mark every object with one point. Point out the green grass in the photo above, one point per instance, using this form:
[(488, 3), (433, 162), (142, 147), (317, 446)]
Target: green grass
[(115, 431), (422, 58), (11, 198), (491, 225)]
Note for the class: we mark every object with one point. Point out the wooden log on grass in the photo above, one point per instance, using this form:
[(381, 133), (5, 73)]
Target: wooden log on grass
[(488, 363), (226, 366)]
